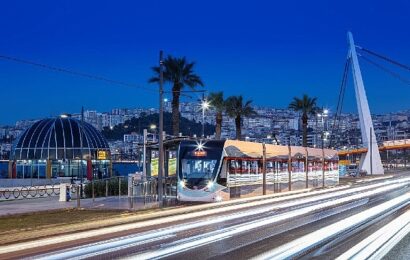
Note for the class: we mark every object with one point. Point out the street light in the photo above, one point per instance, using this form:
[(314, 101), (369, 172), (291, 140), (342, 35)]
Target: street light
[(204, 106), (325, 133), (153, 128)]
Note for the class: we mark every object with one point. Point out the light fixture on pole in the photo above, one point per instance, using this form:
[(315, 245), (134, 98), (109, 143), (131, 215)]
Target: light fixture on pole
[(161, 129), (204, 106)]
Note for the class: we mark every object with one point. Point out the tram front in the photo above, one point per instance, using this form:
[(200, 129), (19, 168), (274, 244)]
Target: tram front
[(199, 164)]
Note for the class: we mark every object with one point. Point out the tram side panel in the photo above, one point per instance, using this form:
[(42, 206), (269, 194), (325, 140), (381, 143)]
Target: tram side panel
[(315, 173), (244, 177), (331, 173)]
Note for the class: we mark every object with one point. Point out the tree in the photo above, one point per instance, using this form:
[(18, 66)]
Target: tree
[(237, 109), (218, 104), (306, 106), (178, 72)]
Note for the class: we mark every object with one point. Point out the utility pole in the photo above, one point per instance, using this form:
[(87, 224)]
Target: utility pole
[(264, 169), (161, 129), (371, 153), (81, 143), (203, 115)]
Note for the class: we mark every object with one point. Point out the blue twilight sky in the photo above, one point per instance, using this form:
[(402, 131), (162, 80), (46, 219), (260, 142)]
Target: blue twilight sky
[(269, 51)]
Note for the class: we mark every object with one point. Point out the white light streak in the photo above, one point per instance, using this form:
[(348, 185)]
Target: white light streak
[(245, 227), (380, 242), (298, 199), (309, 241)]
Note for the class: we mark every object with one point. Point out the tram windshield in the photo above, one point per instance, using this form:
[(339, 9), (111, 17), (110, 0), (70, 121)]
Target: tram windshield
[(198, 169), (199, 163)]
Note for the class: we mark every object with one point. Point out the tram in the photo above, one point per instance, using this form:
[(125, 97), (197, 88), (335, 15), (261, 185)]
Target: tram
[(218, 170)]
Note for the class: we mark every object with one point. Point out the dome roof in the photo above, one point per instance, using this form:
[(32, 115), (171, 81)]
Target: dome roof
[(58, 139)]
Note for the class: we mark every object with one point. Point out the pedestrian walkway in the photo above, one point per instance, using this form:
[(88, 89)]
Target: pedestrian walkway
[(52, 203)]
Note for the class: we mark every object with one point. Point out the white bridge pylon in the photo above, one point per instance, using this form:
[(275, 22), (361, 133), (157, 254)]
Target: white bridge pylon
[(370, 161)]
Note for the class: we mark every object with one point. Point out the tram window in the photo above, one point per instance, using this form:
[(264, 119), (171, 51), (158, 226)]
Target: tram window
[(282, 166), (232, 166), (270, 167), (193, 168), (298, 166)]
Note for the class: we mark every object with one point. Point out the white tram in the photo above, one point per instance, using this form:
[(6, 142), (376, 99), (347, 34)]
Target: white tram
[(215, 170)]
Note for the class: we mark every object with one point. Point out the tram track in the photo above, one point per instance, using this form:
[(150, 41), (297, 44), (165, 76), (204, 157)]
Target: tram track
[(201, 231)]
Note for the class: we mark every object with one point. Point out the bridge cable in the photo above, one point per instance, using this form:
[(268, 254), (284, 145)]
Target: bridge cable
[(401, 65), (336, 121), (394, 74)]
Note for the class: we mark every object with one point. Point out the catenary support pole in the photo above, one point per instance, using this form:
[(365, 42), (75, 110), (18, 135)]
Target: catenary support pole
[(161, 129), (264, 169)]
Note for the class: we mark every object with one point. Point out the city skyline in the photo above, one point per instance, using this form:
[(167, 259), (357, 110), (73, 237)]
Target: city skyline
[(269, 57)]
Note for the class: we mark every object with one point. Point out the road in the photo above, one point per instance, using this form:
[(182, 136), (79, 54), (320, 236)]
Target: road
[(367, 219)]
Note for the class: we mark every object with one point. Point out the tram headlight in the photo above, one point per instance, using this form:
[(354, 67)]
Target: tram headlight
[(182, 183), (210, 184)]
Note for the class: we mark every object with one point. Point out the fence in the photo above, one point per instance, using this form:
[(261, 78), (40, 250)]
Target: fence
[(114, 186), (27, 192), (146, 190)]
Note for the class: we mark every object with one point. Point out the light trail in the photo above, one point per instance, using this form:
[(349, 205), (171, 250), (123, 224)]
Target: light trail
[(211, 237), (125, 227), (314, 196), (380, 242), (307, 242)]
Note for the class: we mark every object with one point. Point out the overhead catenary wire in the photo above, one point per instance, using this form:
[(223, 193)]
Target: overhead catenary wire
[(75, 73), (91, 76)]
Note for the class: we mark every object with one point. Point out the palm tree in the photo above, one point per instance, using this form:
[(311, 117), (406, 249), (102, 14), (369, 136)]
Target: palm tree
[(236, 108), (218, 104), (307, 106), (178, 72)]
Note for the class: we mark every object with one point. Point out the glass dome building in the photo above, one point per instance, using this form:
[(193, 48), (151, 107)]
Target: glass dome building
[(61, 147)]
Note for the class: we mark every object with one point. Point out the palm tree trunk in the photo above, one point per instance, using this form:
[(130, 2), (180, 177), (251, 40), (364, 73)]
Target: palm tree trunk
[(238, 128), (175, 109), (218, 127), (305, 128)]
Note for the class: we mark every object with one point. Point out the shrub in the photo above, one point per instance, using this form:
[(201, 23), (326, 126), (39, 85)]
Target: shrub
[(100, 187)]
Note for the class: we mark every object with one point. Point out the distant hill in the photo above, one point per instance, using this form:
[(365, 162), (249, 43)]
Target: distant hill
[(187, 127)]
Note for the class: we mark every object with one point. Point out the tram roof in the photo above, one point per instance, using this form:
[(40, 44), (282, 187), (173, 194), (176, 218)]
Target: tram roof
[(235, 148)]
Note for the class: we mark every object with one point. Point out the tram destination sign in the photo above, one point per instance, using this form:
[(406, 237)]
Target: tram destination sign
[(199, 153)]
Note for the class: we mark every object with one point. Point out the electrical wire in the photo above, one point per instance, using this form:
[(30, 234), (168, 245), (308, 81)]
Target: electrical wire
[(91, 76), (76, 73)]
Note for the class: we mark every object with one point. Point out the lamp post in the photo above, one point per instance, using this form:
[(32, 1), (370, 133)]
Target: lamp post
[(204, 106), (153, 128), (324, 135), (161, 129), (323, 116)]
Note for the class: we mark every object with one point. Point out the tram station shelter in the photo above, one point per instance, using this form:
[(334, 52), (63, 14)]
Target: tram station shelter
[(62, 147)]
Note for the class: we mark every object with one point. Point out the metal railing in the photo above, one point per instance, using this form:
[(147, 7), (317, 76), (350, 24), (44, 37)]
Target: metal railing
[(27, 192), (146, 190), (113, 186)]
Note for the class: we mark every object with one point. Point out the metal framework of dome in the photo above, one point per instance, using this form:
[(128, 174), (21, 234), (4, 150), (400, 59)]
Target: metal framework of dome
[(60, 139)]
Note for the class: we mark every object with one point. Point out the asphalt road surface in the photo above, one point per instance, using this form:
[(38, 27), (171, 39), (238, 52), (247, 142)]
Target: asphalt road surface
[(365, 220)]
